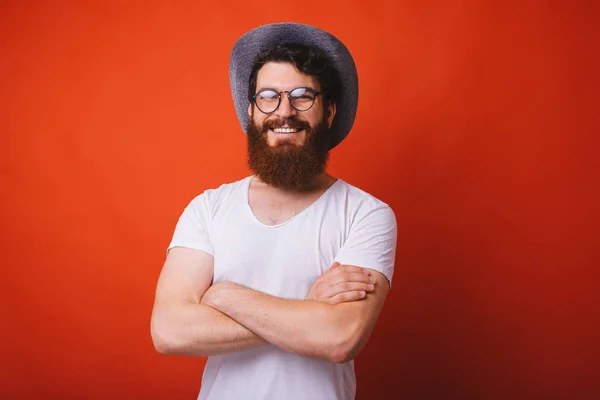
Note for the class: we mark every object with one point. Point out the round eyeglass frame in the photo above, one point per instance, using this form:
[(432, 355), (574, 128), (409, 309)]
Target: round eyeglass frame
[(308, 89)]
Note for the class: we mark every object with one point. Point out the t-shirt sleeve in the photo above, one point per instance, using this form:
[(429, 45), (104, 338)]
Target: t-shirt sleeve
[(371, 242), (193, 227)]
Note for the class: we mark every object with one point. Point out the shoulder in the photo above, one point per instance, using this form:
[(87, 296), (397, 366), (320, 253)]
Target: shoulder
[(362, 203), (211, 198)]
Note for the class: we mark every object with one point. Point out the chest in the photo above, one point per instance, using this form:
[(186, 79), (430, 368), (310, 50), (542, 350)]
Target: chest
[(282, 261), (272, 210)]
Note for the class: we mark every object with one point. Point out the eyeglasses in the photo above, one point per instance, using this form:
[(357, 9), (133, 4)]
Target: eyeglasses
[(301, 99)]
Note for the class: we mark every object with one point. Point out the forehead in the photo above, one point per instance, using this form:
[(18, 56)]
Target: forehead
[(283, 76)]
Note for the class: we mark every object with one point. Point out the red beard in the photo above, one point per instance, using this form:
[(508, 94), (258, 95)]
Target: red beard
[(285, 165)]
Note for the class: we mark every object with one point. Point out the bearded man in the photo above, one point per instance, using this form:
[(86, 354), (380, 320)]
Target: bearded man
[(280, 277)]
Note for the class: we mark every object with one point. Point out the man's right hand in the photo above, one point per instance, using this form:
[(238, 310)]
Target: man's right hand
[(342, 283)]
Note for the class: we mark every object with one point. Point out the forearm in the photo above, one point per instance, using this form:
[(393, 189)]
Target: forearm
[(308, 328), (199, 330)]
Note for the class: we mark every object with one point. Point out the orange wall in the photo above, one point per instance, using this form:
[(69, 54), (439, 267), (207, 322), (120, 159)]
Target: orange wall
[(477, 123)]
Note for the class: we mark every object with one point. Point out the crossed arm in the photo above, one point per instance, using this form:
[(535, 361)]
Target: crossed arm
[(194, 318)]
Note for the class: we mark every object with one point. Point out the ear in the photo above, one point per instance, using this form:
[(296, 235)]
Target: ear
[(331, 114), (250, 110)]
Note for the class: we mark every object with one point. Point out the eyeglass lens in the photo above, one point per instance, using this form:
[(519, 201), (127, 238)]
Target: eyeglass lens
[(268, 100)]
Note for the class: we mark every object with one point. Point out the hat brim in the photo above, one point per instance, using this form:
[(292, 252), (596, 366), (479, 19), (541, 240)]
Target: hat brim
[(250, 44)]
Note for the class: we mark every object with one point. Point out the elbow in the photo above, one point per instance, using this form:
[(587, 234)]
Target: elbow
[(342, 353), (164, 342), (162, 346), (343, 348)]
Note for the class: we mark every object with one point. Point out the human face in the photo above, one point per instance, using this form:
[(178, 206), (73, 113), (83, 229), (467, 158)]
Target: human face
[(281, 76)]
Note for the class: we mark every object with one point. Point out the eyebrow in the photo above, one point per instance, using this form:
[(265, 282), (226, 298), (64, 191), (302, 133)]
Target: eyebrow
[(265, 88), (276, 90)]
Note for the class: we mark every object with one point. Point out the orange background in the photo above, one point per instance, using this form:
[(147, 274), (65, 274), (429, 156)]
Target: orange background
[(477, 123)]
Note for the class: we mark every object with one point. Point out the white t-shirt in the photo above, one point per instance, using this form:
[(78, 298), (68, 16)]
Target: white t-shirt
[(345, 224)]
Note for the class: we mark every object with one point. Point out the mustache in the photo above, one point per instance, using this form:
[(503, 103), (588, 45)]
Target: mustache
[(281, 122)]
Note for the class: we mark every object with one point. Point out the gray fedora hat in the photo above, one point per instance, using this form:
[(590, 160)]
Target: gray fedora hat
[(251, 43)]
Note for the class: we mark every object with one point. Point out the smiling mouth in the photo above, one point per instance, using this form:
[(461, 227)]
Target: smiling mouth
[(286, 130)]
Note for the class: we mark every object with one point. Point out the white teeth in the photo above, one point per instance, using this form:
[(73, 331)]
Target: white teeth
[(285, 130)]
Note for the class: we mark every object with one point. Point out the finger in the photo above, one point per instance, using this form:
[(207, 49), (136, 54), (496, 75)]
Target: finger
[(352, 268), (350, 277), (347, 297), (334, 268), (349, 287)]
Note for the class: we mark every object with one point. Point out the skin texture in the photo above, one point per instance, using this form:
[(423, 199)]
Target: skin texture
[(186, 319), (334, 333)]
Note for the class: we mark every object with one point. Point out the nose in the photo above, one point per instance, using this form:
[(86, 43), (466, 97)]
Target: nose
[(285, 109)]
